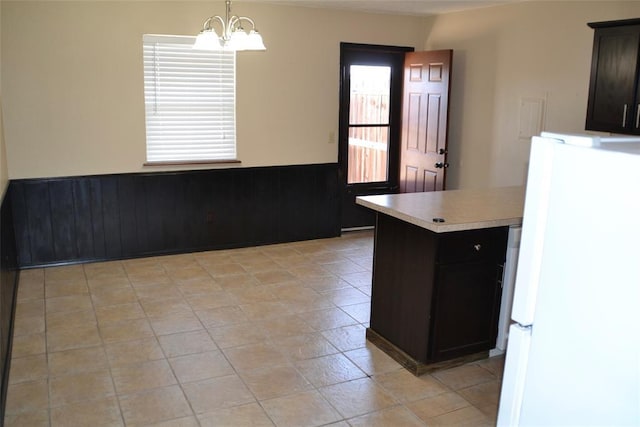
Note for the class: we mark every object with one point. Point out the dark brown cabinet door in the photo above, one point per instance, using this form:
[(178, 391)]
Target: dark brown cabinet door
[(464, 318), (425, 115), (613, 104)]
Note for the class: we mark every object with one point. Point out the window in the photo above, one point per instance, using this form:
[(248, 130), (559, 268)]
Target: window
[(189, 101), (369, 122)]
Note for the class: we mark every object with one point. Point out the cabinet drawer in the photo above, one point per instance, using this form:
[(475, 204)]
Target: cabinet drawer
[(473, 245)]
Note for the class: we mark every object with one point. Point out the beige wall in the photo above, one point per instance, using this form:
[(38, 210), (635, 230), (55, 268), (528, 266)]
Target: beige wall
[(4, 178), (72, 80), (538, 50), (73, 92)]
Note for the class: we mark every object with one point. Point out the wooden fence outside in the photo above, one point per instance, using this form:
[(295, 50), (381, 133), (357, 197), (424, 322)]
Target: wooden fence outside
[(368, 144), (367, 161)]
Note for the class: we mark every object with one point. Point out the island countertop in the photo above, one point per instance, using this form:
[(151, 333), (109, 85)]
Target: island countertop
[(460, 209)]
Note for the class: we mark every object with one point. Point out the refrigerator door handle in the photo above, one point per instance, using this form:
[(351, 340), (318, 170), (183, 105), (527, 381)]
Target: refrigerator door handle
[(515, 372)]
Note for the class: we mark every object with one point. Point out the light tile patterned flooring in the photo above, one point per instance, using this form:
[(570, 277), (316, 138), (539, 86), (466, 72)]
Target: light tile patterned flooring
[(263, 336)]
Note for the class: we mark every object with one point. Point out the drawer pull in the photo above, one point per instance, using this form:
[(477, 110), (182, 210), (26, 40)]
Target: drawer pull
[(477, 247)]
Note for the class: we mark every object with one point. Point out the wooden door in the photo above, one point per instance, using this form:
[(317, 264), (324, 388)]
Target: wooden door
[(425, 116), (465, 312)]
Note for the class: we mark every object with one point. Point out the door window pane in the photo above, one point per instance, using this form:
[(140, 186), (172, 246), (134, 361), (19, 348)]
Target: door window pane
[(368, 160), (369, 123), (370, 89)]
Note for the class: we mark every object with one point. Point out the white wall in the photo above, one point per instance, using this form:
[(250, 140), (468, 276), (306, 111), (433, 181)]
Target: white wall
[(535, 49), (73, 89)]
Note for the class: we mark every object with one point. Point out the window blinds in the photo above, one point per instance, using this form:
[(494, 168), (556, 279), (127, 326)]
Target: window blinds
[(189, 101)]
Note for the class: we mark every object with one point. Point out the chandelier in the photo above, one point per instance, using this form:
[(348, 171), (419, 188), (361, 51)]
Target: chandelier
[(233, 36)]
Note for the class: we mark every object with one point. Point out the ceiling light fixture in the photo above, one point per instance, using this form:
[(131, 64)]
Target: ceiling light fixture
[(233, 35)]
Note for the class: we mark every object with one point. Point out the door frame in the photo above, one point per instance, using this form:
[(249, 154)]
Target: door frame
[(353, 216)]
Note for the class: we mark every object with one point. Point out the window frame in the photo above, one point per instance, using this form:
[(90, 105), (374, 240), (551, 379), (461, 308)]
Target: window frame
[(377, 55)]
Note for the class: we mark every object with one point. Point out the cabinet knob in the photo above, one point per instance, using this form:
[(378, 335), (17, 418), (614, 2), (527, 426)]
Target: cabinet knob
[(477, 247)]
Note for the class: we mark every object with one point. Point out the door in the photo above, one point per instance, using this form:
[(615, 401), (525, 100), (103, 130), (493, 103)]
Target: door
[(370, 113), (370, 145), (425, 115), (465, 309), (513, 379)]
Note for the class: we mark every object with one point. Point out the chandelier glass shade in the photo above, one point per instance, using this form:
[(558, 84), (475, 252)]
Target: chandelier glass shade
[(233, 36)]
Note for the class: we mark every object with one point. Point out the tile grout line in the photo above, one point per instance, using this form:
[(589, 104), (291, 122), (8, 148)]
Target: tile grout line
[(103, 345), (301, 282)]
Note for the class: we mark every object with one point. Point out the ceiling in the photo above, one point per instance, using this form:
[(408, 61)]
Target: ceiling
[(416, 7)]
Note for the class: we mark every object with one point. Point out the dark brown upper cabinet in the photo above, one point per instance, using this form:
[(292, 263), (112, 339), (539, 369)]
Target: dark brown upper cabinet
[(614, 96)]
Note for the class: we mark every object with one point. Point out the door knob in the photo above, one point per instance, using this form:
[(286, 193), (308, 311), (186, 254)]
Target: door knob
[(442, 151), (441, 165)]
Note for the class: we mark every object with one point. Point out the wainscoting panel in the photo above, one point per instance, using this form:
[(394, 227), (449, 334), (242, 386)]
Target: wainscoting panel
[(8, 289), (78, 219)]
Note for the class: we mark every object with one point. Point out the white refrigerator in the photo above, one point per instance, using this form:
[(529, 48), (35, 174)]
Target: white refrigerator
[(573, 355)]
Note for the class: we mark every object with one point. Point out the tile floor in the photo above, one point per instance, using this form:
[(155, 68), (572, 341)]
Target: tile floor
[(271, 335)]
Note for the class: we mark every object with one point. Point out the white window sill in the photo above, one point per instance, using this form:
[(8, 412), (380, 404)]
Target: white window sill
[(192, 162)]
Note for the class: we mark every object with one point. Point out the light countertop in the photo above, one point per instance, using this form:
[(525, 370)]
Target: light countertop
[(460, 209)]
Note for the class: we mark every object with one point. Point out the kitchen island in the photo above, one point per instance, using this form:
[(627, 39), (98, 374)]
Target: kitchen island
[(438, 272)]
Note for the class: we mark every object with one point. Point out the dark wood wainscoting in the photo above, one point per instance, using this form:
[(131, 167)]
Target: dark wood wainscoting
[(9, 275), (89, 218)]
